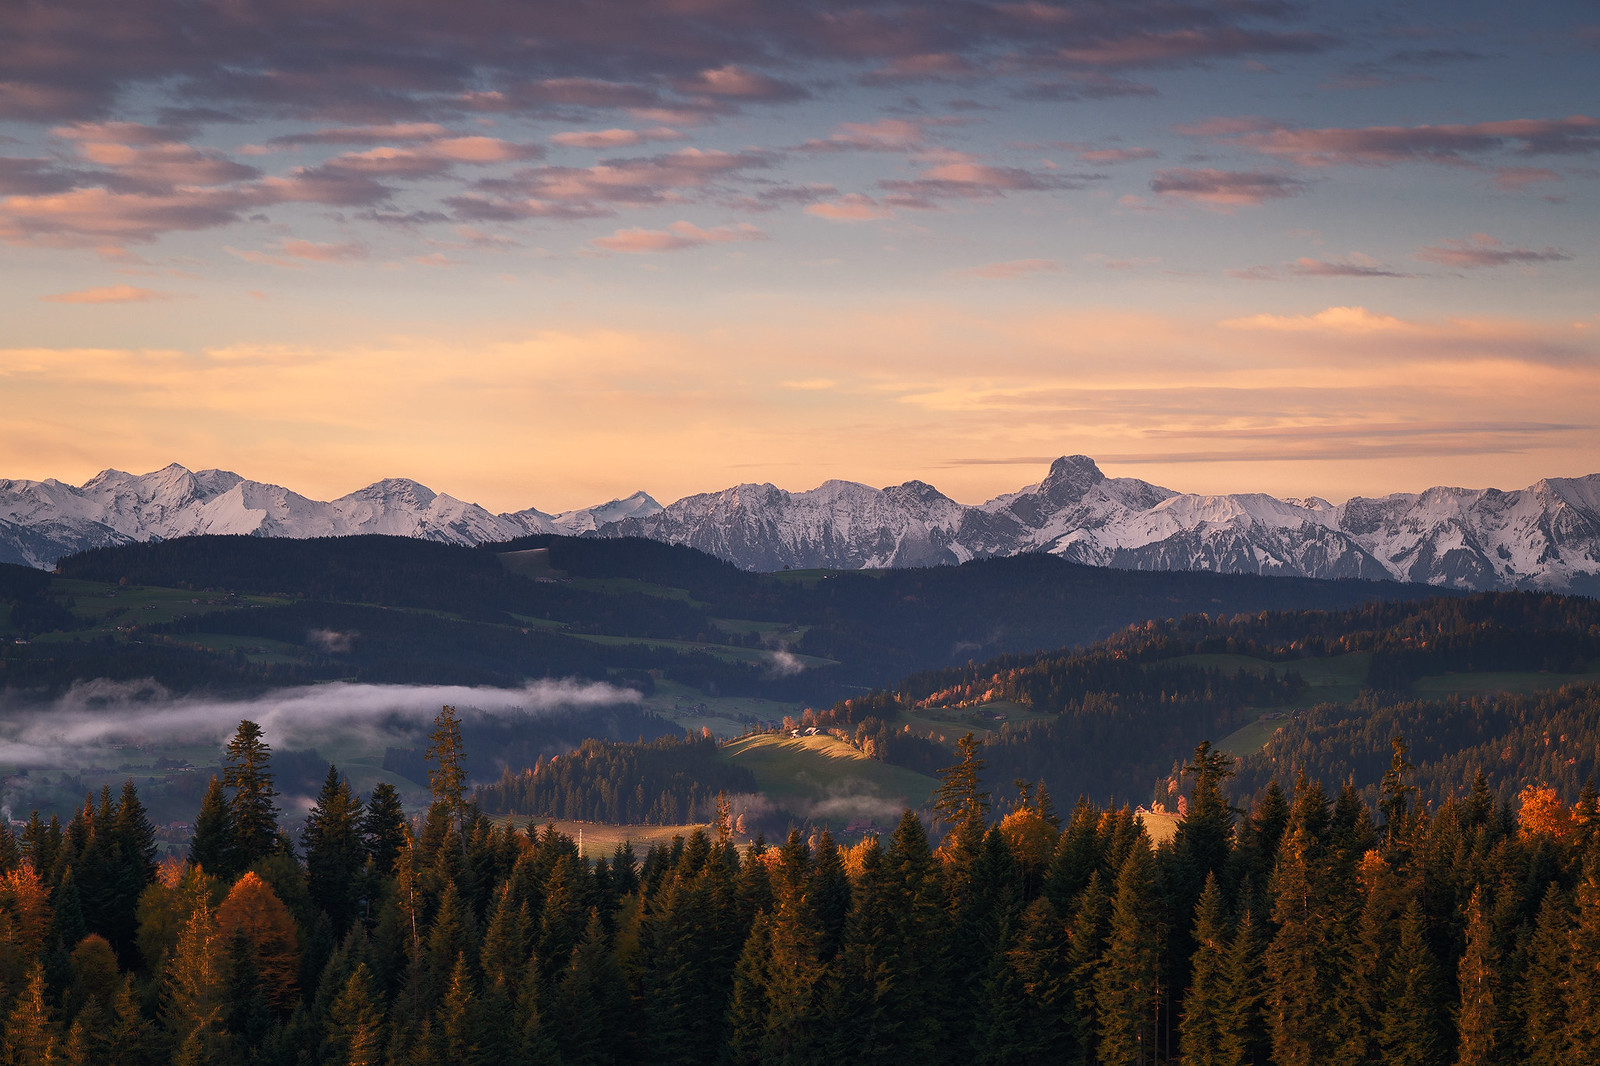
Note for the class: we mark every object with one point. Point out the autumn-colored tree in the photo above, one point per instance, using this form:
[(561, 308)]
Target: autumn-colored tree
[(25, 920), (1541, 813), (31, 1038), (254, 911), (194, 987)]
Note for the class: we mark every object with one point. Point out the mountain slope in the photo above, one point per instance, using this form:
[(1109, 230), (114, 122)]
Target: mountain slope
[(1544, 536)]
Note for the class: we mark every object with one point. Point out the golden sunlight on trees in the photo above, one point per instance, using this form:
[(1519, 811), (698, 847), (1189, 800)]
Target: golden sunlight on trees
[(253, 911), (1543, 813)]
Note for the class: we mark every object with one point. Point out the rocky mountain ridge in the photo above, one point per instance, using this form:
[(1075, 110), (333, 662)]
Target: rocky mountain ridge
[(1543, 536)]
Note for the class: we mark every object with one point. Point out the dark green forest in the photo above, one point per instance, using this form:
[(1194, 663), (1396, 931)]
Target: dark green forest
[(1312, 928), (246, 614)]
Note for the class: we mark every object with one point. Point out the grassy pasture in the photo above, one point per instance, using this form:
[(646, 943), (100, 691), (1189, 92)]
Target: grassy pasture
[(725, 716), (823, 777), (1520, 683)]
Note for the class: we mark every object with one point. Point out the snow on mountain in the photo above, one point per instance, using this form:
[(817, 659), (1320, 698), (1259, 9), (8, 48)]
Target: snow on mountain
[(1544, 536), (838, 524), (588, 519), (40, 521)]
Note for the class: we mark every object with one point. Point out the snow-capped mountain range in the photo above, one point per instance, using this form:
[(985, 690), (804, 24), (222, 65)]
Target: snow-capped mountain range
[(1544, 536)]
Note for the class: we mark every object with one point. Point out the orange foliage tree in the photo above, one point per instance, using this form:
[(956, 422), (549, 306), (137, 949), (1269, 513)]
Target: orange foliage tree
[(254, 911), (1543, 813)]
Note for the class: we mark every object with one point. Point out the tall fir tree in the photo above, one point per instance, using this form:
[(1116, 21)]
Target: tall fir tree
[(383, 828), (1205, 1003), (247, 771), (334, 851), (1478, 977), (1411, 1027), (1127, 987), (213, 847)]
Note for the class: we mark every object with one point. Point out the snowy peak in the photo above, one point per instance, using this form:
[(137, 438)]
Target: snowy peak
[(586, 520), (1544, 536)]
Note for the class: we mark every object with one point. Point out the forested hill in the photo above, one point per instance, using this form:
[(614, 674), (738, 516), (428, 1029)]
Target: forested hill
[(245, 612), (1505, 683)]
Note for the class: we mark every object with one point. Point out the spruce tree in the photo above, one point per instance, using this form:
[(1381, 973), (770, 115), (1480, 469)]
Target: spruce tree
[(247, 771), (30, 1037), (1302, 961), (213, 847), (960, 793), (1241, 1025), (447, 780), (1126, 988), (383, 828), (1478, 1020), (1200, 1035), (331, 840), (1542, 1001), (1583, 982), (1411, 1026)]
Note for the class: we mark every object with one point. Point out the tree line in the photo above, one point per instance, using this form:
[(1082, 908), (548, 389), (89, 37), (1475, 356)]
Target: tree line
[(1307, 929)]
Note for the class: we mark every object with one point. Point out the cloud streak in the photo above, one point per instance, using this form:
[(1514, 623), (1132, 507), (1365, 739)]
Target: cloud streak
[(96, 715)]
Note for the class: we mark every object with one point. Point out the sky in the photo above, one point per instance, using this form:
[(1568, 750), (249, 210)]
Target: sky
[(544, 254)]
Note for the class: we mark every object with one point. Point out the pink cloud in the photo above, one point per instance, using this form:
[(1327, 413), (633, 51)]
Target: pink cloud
[(851, 207), (1015, 268), (676, 238), (1483, 250), (325, 253), (108, 294), (614, 138), (922, 67), (1224, 188), (1143, 49), (1380, 145), (885, 135), (1354, 265), (963, 177), (735, 81), (1110, 155)]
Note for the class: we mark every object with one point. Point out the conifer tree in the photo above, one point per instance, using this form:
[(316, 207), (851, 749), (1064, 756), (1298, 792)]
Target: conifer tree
[(960, 793), (447, 780), (1302, 961), (454, 1026), (1583, 982), (1038, 960), (331, 839), (1127, 985), (1200, 1035), (383, 828), (133, 869), (1478, 1020), (31, 1038), (1411, 1027), (247, 771), (591, 1003), (1242, 1040), (1542, 1001), (1086, 940), (829, 892), (748, 1005), (213, 847), (194, 991)]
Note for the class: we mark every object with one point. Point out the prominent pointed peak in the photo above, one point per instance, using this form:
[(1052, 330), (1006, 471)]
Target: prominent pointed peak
[(1070, 477)]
